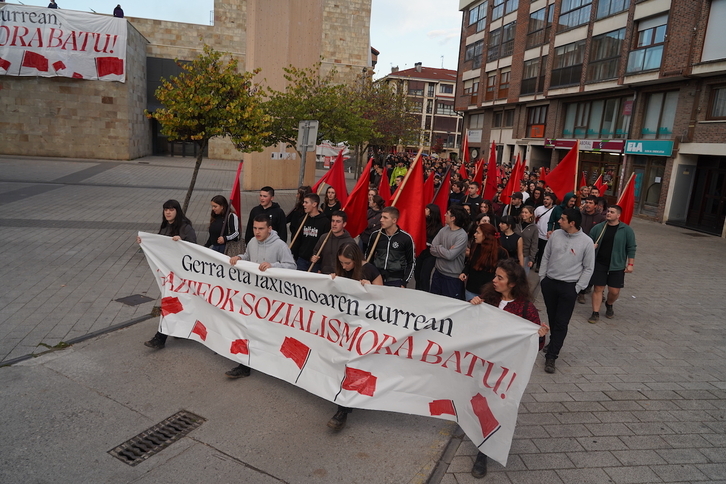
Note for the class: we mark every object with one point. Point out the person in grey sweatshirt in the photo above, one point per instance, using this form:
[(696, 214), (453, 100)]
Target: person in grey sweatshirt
[(567, 264), (449, 249), (268, 250)]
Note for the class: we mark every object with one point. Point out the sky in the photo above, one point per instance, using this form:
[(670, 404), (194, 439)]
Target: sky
[(404, 31)]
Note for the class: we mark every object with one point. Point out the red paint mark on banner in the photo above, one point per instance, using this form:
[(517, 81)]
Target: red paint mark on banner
[(58, 66), (240, 347), (359, 381), (440, 407), (295, 350), (4, 64), (487, 420), (201, 330), (36, 61), (76, 75), (109, 65), (171, 305)]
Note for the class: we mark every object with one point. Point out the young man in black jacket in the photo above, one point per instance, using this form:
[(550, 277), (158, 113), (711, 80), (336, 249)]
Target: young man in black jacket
[(272, 209), (316, 224)]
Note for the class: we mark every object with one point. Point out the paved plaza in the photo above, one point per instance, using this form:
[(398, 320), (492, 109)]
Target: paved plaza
[(639, 398)]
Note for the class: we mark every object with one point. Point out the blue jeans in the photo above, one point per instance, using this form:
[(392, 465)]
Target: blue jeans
[(219, 248), (447, 286)]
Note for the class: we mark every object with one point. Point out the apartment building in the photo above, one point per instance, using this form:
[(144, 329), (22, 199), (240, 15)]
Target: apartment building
[(640, 83), (431, 91)]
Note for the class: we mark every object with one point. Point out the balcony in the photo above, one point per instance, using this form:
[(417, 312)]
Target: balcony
[(645, 59)]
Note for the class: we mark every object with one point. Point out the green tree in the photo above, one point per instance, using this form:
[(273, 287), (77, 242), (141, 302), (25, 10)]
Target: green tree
[(210, 98), (391, 112)]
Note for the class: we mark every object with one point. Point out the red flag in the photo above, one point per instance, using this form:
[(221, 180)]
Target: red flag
[(442, 196), (4, 64), (200, 329), (542, 174), (440, 407), (58, 66), (463, 172), (562, 179), (583, 180), (76, 75), (479, 172), (359, 381), (412, 205), (234, 196), (465, 156), (295, 350), (490, 189), (357, 205), (514, 178), (335, 177), (627, 201), (109, 65), (600, 185), (36, 61), (487, 420), (429, 189), (240, 347), (171, 305), (384, 188)]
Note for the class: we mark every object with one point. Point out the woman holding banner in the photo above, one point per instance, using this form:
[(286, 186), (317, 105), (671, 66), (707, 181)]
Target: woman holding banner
[(176, 225), (350, 264), (509, 290)]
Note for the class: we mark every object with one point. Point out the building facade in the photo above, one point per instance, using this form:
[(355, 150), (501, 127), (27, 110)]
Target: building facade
[(641, 84), (431, 92)]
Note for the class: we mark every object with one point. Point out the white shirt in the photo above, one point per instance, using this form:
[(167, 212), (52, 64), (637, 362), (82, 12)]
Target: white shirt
[(542, 219)]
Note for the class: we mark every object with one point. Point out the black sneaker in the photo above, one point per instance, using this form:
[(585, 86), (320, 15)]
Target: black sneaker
[(609, 313), (545, 348), (550, 365), (480, 466), (338, 420), (239, 371), (155, 343), (581, 298), (594, 318)]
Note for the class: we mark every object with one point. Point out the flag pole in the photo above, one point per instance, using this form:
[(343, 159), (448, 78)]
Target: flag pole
[(305, 218), (436, 193), (577, 172), (393, 203)]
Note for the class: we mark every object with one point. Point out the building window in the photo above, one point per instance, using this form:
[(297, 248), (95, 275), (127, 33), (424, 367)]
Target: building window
[(601, 119), (715, 37), (429, 106), (510, 6), (476, 121), (415, 88), (416, 106), (540, 25), (660, 113), (504, 84), (533, 76), (491, 86), (573, 13), (478, 16), (605, 8), (471, 88), (649, 44), (432, 89), (536, 120), (605, 55), (501, 42), (567, 67), (446, 89), (509, 118), (473, 53), (717, 108), (497, 9), (497, 119), (445, 108)]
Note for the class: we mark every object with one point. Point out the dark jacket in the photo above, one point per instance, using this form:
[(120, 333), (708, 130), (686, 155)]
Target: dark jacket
[(591, 220), (326, 264), (313, 229), (553, 224), (394, 255), (277, 218)]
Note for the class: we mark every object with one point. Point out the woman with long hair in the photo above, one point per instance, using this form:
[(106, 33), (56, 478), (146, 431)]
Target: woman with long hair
[(223, 224), (510, 240), (297, 213), (484, 255), (176, 225), (537, 198), (425, 261), (508, 290), (332, 203), (350, 264), (530, 236), (487, 208)]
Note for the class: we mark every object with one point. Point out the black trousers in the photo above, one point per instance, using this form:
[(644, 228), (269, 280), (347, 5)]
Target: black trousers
[(560, 298), (541, 243)]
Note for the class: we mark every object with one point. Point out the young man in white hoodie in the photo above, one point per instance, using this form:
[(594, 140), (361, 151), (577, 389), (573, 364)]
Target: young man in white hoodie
[(268, 250)]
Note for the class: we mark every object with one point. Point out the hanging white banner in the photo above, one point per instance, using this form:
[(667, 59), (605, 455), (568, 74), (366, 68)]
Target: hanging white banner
[(370, 347), (46, 42)]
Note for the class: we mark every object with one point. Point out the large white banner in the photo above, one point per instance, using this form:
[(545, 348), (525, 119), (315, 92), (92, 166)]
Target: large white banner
[(36, 41), (371, 347)]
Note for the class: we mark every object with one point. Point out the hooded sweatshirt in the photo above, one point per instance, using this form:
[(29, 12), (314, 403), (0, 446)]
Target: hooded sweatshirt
[(278, 220), (272, 250), (557, 212), (311, 232), (326, 264), (568, 258)]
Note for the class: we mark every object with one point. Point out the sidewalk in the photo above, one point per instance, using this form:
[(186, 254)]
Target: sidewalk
[(638, 398)]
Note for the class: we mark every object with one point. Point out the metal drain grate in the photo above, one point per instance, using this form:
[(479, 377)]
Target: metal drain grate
[(157, 438)]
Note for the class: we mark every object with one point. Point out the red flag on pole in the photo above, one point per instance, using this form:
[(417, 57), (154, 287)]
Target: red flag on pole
[(234, 196), (506, 196), (465, 156), (35, 60), (442, 195), (296, 350), (384, 187), (440, 407), (542, 173), (627, 201), (200, 329), (357, 205), (360, 381), (600, 185), (411, 204), (479, 172), (463, 172), (563, 177), (429, 189), (583, 180), (335, 177), (490, 189)]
